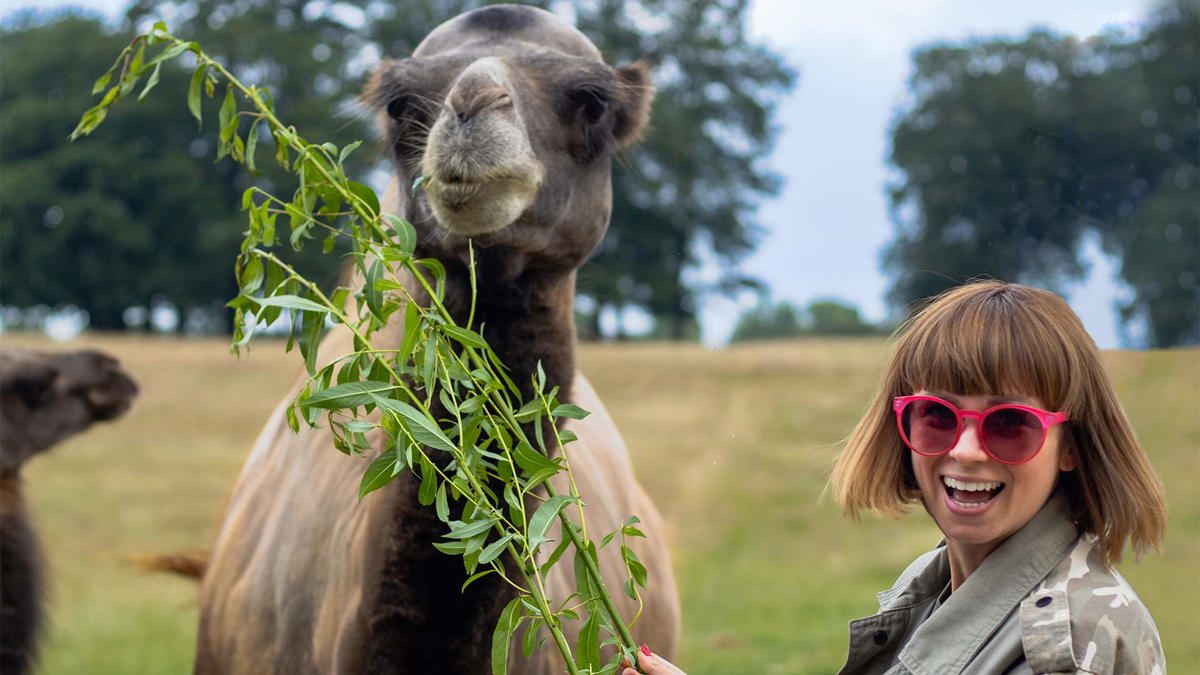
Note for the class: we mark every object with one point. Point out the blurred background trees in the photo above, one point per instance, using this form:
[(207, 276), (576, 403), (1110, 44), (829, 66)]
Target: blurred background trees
[(1011, 152), (1010, 155), (688, 192), (824, 317)]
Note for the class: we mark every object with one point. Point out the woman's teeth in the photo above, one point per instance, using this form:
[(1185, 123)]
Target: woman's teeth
[(971, 494), (970, 487)]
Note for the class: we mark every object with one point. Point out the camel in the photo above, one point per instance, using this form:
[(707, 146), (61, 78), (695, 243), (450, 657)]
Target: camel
[(44, 398), (514, 117)]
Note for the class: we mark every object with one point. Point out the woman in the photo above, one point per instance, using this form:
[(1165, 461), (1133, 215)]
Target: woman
[(997, 416)]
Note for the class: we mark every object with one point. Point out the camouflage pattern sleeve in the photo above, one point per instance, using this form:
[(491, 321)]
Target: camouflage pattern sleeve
[(1085, 618)]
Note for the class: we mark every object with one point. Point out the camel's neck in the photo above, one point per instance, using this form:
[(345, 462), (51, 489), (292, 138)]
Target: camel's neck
[(526, 315), (20, 580)]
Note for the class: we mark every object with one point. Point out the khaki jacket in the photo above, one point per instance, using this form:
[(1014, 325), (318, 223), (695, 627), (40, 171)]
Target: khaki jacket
[(1040, 603)]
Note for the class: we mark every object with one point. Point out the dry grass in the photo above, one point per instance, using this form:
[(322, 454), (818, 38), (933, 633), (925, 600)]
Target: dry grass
[(735, 444)]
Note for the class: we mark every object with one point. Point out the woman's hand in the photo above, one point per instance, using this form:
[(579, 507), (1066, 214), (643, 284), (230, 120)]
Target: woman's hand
[(651, 664)]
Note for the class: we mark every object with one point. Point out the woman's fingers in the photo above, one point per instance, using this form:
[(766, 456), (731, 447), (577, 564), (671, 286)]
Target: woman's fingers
[(651, 664)]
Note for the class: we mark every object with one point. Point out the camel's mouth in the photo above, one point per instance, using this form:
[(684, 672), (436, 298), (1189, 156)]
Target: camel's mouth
[(472, 206)]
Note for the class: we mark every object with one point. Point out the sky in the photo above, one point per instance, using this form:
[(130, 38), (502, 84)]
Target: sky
[(825, 231)]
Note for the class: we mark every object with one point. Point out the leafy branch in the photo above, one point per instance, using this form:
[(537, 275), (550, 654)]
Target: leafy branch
[(450, 413)]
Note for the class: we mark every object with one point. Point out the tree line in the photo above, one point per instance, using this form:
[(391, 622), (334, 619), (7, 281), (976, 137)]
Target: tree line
[(1009, 154), (1012, 152), (140, 212)]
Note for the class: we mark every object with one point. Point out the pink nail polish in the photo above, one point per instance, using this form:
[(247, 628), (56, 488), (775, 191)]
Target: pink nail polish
[(646, 650)]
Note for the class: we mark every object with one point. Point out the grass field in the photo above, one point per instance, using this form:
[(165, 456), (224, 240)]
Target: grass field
[(735, 444)]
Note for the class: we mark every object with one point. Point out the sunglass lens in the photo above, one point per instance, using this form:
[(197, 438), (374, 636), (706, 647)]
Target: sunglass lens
[(1012, 434), (929, 426)]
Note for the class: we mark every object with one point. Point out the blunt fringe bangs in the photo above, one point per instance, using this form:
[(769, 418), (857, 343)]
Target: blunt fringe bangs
[(991, 338)]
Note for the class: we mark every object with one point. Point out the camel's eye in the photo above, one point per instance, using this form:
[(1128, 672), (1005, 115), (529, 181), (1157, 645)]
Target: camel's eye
[(594, 107), (590, 102), (398, 107)]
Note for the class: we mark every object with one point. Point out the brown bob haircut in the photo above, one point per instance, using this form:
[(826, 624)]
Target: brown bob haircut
[(991, 338)]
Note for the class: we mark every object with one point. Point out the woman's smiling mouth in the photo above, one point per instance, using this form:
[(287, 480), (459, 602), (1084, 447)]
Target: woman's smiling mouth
[(970, 496)]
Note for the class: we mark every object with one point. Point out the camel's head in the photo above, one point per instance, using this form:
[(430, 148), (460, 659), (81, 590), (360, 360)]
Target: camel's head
[(48, 396), (512, 117)]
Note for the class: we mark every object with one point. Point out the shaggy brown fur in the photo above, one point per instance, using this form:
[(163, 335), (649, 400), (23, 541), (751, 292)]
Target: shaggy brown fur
[(514, 117), (44, 398)]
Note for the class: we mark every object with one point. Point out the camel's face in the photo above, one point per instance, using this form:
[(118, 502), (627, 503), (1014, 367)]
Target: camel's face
[(512, 116), (46, 397)]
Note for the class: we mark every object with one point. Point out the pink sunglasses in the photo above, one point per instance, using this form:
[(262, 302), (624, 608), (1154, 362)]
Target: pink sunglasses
[(1009, 433)]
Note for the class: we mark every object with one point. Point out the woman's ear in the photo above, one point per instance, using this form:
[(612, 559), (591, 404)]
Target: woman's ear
[(1066, 459)]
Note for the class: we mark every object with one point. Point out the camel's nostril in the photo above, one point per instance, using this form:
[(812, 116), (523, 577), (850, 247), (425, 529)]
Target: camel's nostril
[(463, 117)]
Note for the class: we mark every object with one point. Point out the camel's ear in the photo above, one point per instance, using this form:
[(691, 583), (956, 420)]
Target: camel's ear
[(32, 382), (635, 95)]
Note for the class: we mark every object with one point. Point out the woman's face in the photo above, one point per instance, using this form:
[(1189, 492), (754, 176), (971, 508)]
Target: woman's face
[(976, 501)]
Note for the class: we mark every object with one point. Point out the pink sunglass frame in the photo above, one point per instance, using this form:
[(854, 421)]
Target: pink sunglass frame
[(1047, 419)]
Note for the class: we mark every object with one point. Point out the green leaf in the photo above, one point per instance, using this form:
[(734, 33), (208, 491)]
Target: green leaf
[(252, 275), (587, 647), (252, 145), (374, 295), (494, 549), (363, 192), (510, 619), (539, 524), (403, 235), (312, 329), (451, 547), (583, 580), (569, 410), (102, 82), (173, 51), (531, 461), (412, 331), (423, 429), (475, 577), (227, 116), (466, 336), (636, 568), (347, 150), (529, 412), (461, 530), (428, 490), (555, 555), (291, 302), (151, 82), (350, 395), (442, 504), (379, 473), (429, 363), (193, 96)]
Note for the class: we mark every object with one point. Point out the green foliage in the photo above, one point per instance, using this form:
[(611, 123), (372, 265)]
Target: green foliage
[(1012, 151), (450, 413), (769, 321)]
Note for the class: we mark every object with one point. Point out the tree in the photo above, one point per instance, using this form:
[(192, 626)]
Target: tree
[(827, 316), (688, 192), (106, 224), (834, 317), (1012, 151), (767, 321)]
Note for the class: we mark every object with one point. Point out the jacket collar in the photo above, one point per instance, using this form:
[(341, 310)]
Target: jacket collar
[(951, 637)]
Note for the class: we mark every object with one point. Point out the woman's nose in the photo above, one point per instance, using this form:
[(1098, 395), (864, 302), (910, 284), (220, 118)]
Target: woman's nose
[(968, 450)]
